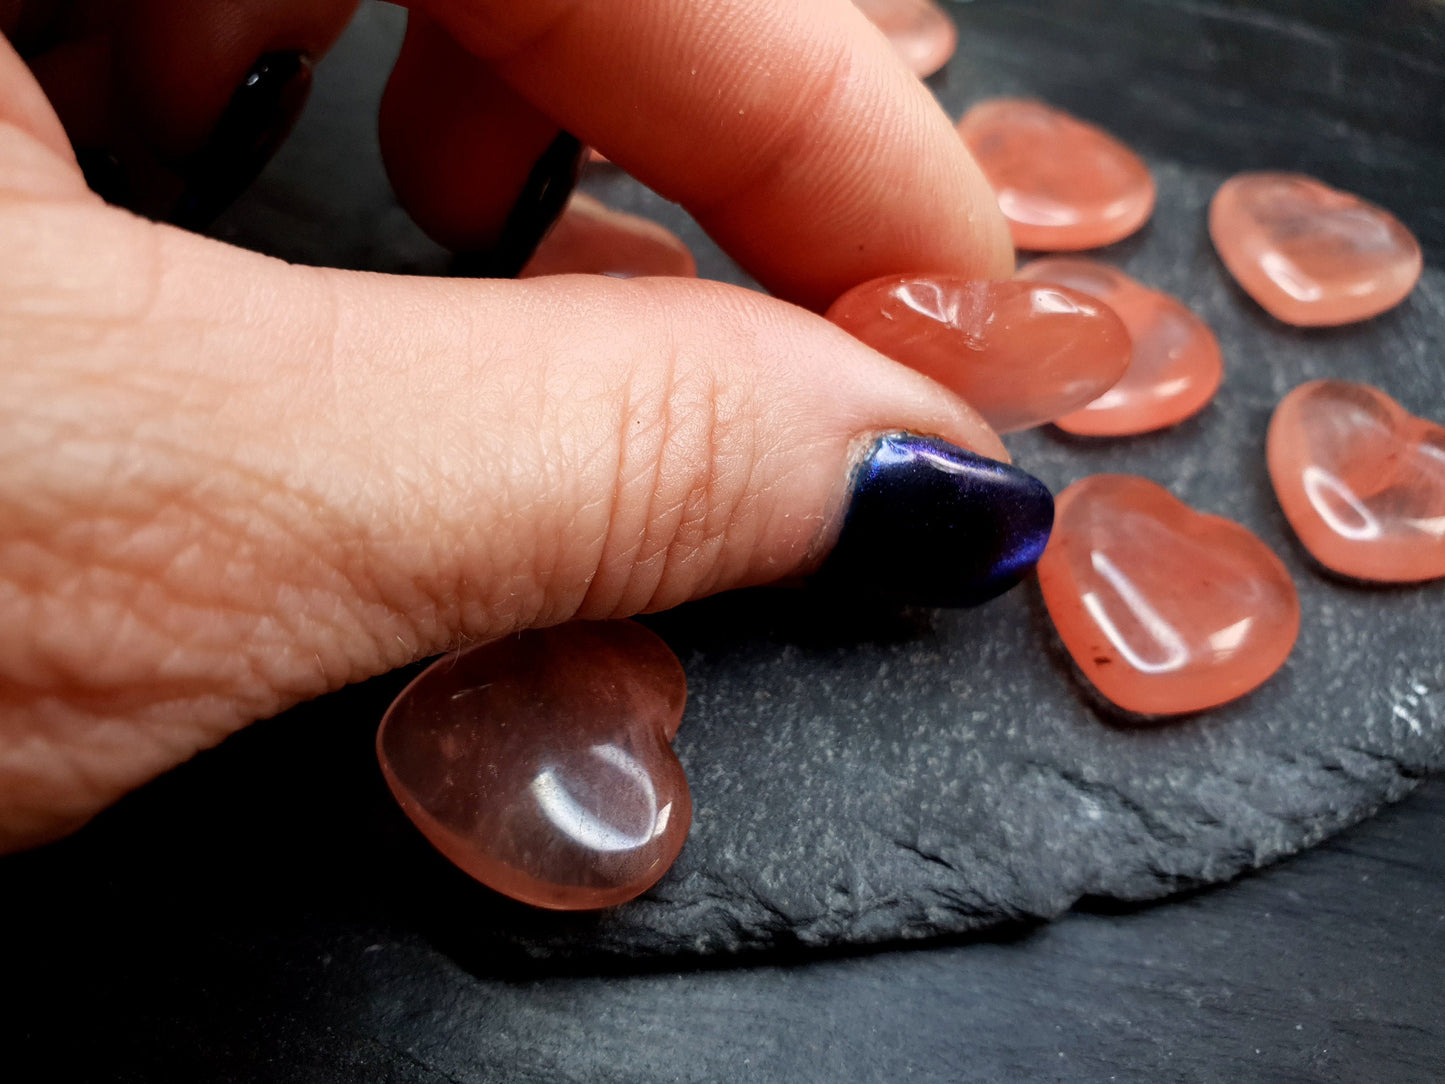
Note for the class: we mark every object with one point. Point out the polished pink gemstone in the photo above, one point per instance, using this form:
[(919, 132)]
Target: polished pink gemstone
[(540, 763), (1063, 185), (1176, 366), (1310, 254), (592, 239), (1022, 353), (1361, 480), (1165, 610), (921, 32)]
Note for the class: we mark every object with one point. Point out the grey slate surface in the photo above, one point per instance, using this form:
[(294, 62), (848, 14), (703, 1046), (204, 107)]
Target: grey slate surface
[(861, 777)]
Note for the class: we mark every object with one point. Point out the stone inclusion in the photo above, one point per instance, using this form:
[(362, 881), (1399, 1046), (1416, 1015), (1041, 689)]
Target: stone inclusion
[(1310, 254), (592, 239), (1165, 610), (1176, 366), (1063, 184), (540, 763), (1361, 480), (1021, 353)]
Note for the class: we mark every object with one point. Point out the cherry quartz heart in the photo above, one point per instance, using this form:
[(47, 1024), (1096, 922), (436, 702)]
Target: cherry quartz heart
[(1361, 480), (1022, 353), (1175, 368), (1165, 609), (1063, 185), (1310, 254), (540, 763), (920, 32), (592, 239)]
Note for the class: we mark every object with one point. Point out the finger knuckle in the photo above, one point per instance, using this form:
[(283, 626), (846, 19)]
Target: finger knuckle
[(687, 442)]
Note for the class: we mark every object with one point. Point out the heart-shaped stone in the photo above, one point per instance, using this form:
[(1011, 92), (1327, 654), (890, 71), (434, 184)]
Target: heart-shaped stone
[(1175, 368), (1310, 254), (540, 763), (1361, 480), (1166, 610), (1063, 184), (1022, 353), (592, 239)]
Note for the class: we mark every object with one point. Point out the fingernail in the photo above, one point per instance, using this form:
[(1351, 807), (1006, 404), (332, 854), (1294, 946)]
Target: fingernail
[(104, 174), (260, 115), (932, 524), (548, 187)]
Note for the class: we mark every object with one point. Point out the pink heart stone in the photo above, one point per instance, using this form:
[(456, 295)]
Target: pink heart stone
[(1063, 185), (1176, 366), (921, 33), (1022, 353), (592, 239), (1310, 254), (540, 763), (1361, 480), (1166, 610)]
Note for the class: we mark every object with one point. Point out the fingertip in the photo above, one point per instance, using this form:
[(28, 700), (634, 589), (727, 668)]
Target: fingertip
[(790, 130), (458, 143)]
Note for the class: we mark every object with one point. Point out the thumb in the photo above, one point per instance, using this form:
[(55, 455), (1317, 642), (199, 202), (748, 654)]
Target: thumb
[(228, 484)]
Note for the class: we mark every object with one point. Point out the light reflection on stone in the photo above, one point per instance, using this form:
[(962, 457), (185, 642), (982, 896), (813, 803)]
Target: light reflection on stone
[(1063, 184), (1310, 254), (1164, 609), (1175, 366), (1361, 480), (540, 763), (1020, 353)]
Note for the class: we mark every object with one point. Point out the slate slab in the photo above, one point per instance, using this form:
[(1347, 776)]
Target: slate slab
[(866, 776)]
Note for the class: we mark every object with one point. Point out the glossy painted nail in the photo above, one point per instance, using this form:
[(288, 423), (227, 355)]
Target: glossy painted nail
[(933, 524), (259, 117), (543, 197)]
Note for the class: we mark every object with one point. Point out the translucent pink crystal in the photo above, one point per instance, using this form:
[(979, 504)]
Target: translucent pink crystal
[(1361, 480), (540, 763), (1176, 366), (1063, 184), (1310, 254), (1165, 610), (1022, 353)]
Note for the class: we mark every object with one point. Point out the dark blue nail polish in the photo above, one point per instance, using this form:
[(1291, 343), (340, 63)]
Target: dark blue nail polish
[(258, 118), (934, 525), (549, 185)]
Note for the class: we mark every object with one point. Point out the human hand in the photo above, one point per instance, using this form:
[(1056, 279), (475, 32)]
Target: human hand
[(228, 484)]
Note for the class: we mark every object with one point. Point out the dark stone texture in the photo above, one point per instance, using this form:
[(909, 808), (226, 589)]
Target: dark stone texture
[(863, 776), (183, 943), (859, 781)]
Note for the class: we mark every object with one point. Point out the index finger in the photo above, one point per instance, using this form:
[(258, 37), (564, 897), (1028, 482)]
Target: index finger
[(788, 128)]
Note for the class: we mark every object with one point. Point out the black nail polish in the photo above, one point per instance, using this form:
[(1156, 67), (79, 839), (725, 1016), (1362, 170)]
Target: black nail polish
[(934, 525), (260, 115), (104, 174), (549, 185)]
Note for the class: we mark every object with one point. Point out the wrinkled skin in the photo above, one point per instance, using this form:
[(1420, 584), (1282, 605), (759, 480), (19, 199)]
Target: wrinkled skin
[(228, 484)]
